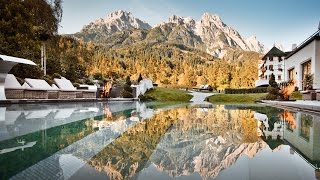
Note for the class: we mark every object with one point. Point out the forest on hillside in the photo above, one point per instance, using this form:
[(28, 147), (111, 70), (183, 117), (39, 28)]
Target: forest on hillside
[(26, 24)]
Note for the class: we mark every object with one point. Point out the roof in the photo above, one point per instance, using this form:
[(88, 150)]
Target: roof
[(315, 36), (273, 53), (16, 60)]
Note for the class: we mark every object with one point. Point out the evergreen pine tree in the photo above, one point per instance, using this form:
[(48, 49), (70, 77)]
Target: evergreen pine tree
[(272, 81), (140, 78)]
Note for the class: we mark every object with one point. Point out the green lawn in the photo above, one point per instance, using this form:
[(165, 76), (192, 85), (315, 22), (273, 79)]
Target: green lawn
[(166, 95), (236, 98)]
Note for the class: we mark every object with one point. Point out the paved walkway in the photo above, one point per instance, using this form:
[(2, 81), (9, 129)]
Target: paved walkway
[(299, 104), (199, 97)]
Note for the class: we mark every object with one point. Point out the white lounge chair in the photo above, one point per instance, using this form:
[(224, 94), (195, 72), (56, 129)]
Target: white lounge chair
[(13, 88), (39, 89), (68, 91)]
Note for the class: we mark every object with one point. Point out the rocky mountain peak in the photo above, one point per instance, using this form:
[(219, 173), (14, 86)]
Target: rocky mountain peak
[(119, 14), (209, 34), (207, 19), (181, 20), (114, 22)]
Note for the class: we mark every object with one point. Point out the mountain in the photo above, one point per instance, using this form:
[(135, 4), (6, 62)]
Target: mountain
[(210, 34), (112, 23), (216, 35)]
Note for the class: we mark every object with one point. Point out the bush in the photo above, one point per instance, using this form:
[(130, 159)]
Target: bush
[(49, 79), (246, 91), (271, 97), (126, 94), (272, 81), (77, 85), (127, 90), (56, 75), (273, 93), (89, 81), (140, 78), (98, 76)]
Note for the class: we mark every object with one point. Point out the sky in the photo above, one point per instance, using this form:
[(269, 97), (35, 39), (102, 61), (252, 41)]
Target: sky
[(282, 21)]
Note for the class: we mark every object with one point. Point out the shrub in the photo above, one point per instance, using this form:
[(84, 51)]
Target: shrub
[(49, 79), (98, 76), (77, 85), (140, 78), (127, 90), (56, 75), (126, 94), (273, 93), (272, 81), (286, 89), (271, 97), (89, 81), (246, 91)]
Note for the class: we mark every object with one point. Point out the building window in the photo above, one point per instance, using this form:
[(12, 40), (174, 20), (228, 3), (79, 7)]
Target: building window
[(291, 74), (306, 69), (266, 77), (279, 77), (271, 67), (280, 59), (271, 58)]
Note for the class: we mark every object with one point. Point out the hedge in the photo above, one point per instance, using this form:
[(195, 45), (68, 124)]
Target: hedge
[(246, 91)]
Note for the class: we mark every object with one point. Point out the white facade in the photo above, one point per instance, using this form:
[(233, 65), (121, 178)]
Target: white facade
[(274, 65), (271, 63), (310, 51)]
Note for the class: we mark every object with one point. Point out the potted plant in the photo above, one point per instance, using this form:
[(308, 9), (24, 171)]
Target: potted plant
[(308, 93)]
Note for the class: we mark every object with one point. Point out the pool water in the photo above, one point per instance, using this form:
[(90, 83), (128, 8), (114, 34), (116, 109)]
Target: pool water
[(132, 140)]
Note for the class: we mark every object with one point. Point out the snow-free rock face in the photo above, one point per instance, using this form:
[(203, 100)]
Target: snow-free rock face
[(209, 34), (114, 22), (255, 45), (218, 36)]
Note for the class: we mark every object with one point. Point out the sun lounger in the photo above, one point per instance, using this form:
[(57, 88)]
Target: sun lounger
[(13, 88), (87, 91), (68, 91), (40, 89)]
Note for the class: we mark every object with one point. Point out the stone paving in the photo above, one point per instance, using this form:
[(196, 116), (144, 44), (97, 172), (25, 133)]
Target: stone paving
[(299, 104)]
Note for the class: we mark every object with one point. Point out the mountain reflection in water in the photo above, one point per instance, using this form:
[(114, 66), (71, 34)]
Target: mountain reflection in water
[(145, 142)]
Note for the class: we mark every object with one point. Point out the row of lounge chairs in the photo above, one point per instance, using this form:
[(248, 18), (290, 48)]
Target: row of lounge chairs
[(40, 89)]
